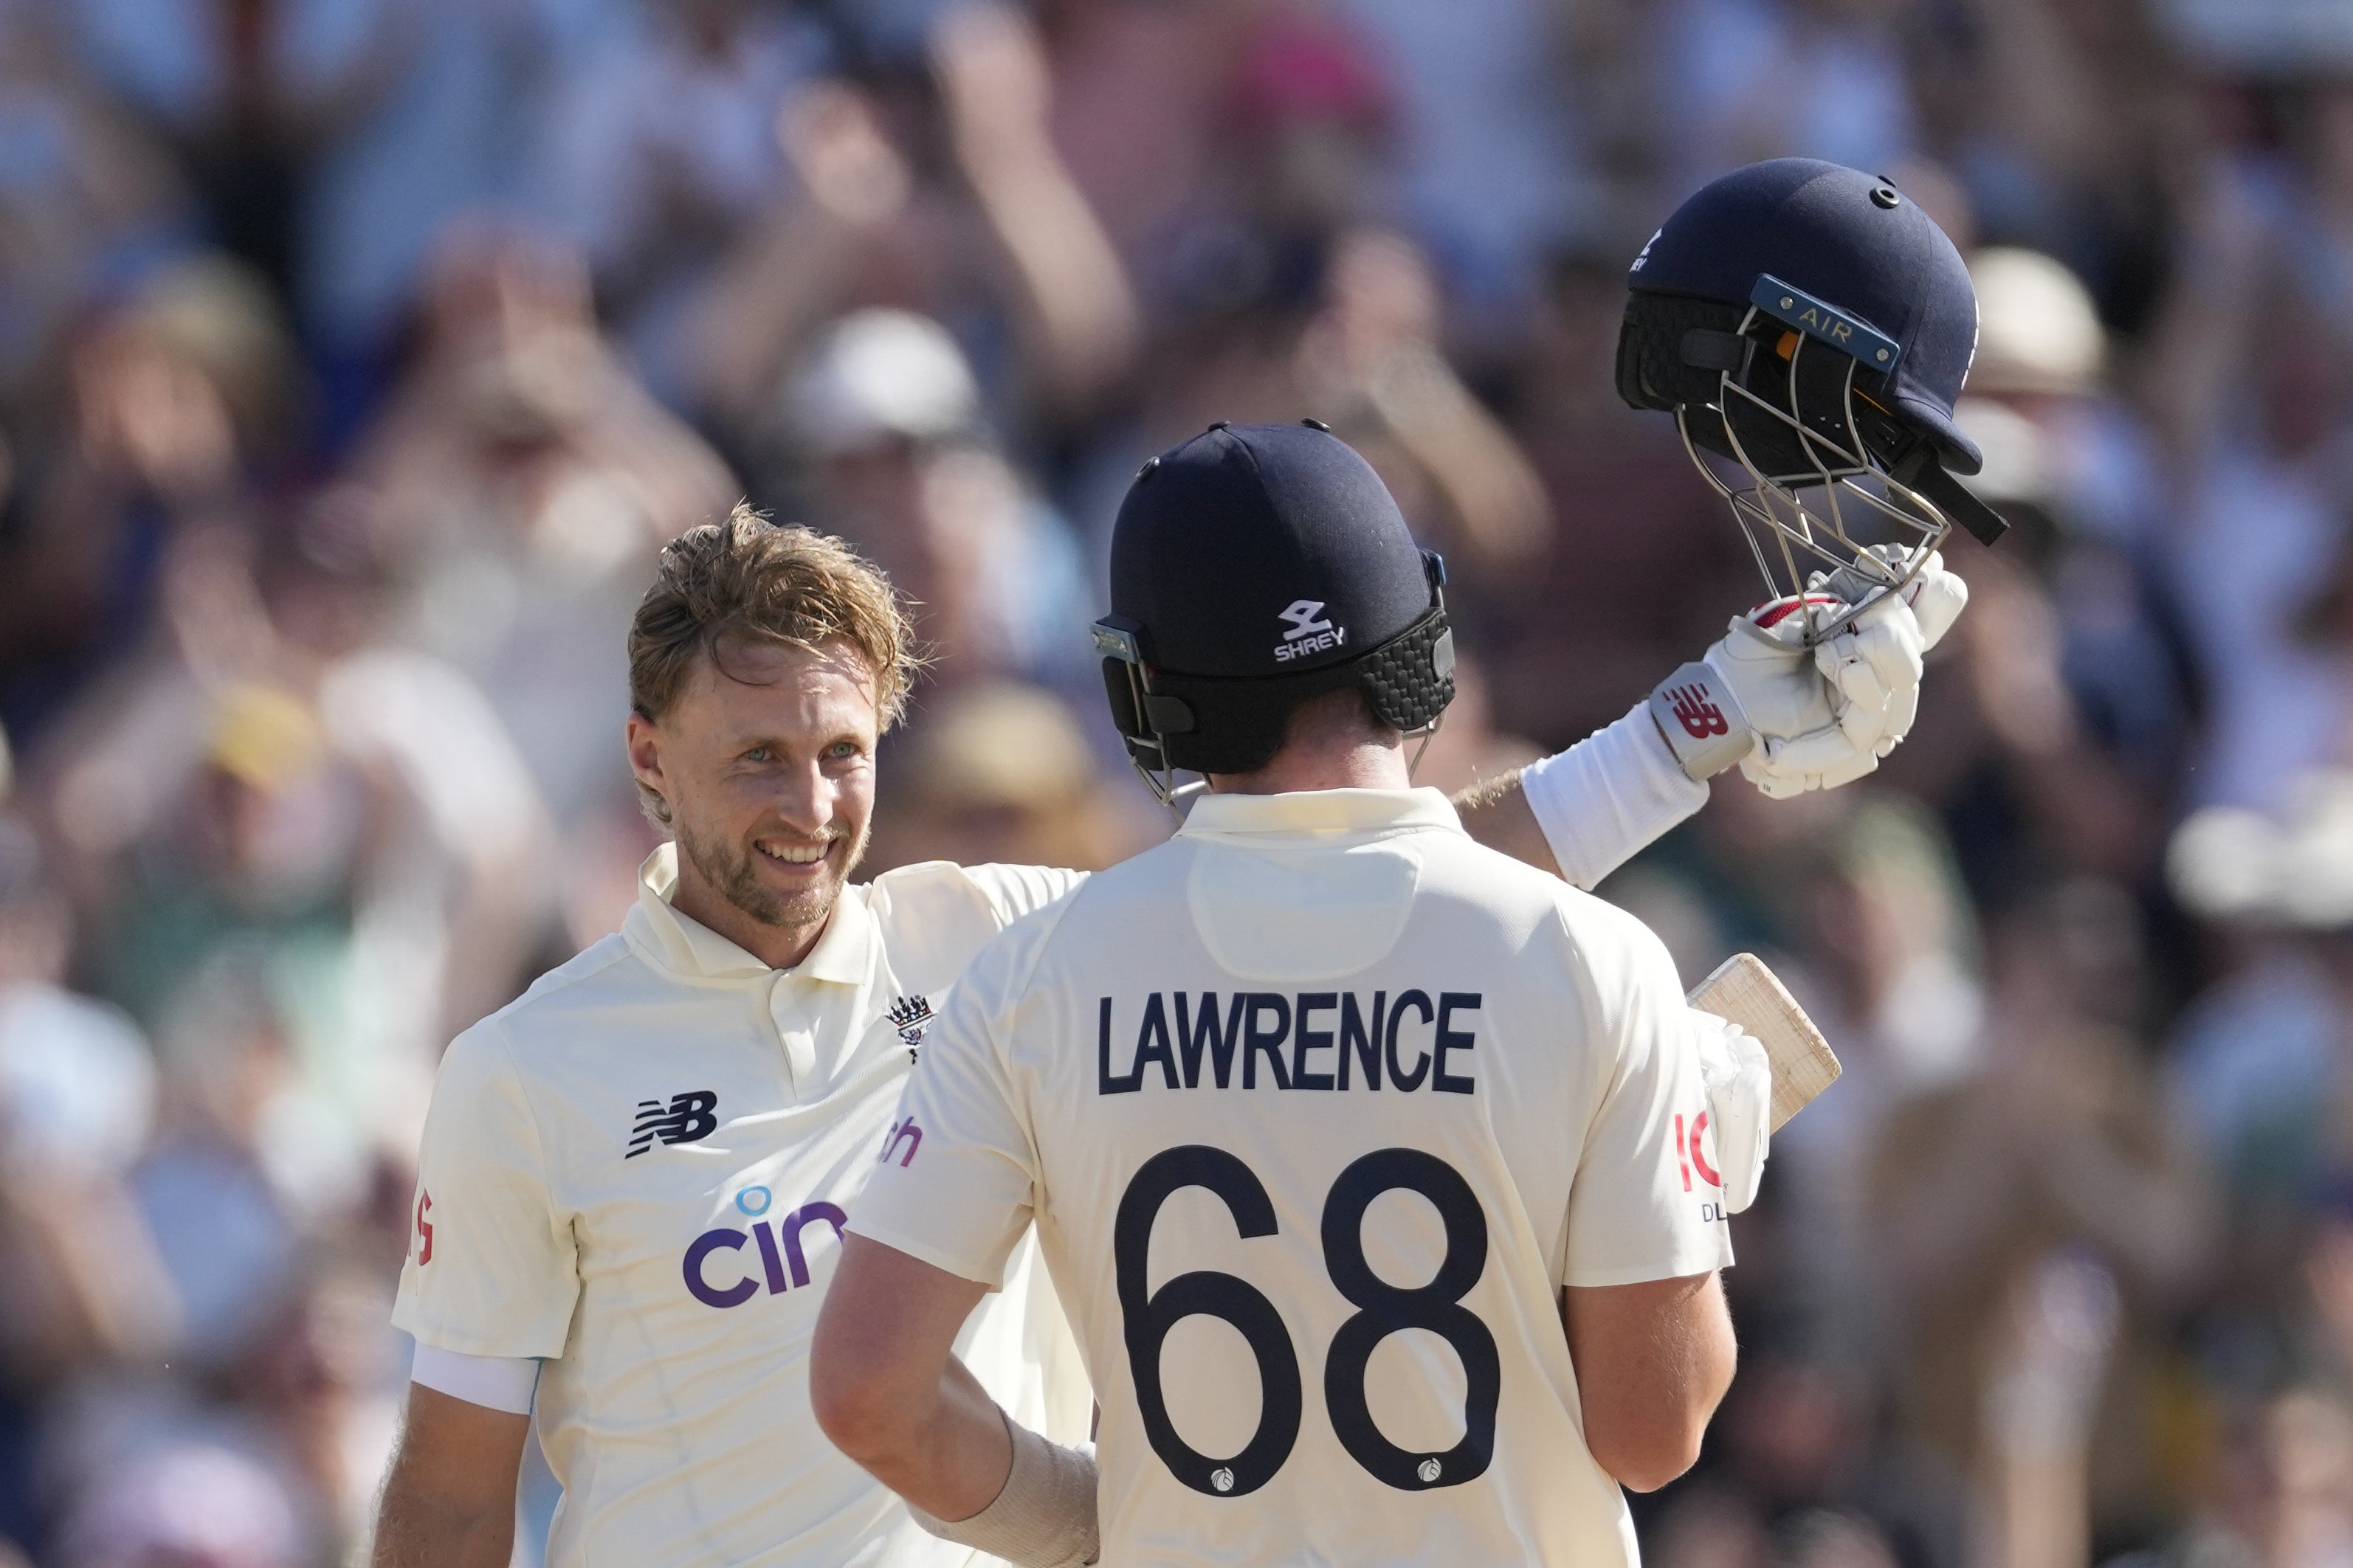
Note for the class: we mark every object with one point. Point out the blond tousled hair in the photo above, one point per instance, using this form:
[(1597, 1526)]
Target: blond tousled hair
[(753, 579)]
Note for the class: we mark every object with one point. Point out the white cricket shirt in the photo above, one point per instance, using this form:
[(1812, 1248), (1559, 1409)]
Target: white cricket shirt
[(639, 1170), (1317, 1107)]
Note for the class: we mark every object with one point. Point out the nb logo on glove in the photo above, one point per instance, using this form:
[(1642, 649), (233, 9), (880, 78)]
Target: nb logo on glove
[(1698, 716)]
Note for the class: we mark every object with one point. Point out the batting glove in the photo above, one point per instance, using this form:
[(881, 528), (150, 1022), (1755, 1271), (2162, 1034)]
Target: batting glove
[(1799, 719), (1739, 1081)]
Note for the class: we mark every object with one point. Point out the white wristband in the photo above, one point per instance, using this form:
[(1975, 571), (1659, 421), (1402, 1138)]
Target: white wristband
[(1045, 1515), (493, 1382), (1608, 796)]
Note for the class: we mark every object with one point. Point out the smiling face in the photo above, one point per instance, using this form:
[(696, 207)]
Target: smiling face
[(765, 762)]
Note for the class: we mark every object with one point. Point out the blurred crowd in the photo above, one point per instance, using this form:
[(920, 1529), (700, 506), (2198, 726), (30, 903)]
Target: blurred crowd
[(356, 356)]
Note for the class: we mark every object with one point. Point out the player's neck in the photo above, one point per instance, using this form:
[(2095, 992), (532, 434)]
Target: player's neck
[(1353, 764), (778, 947)]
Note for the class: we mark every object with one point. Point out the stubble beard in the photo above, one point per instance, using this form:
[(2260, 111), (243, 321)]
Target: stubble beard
[(728, 869)]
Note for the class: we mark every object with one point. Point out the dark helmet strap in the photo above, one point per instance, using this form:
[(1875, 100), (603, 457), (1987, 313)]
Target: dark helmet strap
[(1213, 726)]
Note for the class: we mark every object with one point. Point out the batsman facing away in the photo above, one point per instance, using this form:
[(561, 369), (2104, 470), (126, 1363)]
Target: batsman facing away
[(636, 1179)]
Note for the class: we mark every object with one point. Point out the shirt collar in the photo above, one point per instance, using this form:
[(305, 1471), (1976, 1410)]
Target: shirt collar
[(686, 946), (1340, 810)]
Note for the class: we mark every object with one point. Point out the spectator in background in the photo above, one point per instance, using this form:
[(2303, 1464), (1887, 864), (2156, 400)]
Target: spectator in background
[(2259, 1062), (1641, 560), (273, 775), (2071, 135), (234, 1164), (184, 410), (1369, 363), (83, 1291), (1142, 94), (885, 416), (333, 140), (1743, 80), (1489, 168), (662, 146), (2082, 480), (869, 223), (2283, 1496), (190, 1504), (998, 773), (306, 682), (1363, 353), (517, 489), (1884, 947), (2051, 1176), (84, 198), (2261, 528)]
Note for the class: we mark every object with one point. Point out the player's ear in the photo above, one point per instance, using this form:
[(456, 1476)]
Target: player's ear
[(643, 739)]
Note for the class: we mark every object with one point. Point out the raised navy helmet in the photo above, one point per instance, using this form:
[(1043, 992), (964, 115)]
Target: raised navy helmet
[(1813, 325), (1252, 567)]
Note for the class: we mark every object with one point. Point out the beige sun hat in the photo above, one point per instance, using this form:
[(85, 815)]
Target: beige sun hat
[(2037, 328)]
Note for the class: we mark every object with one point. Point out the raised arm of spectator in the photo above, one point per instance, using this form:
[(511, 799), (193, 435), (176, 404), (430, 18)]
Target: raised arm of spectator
[(799, 261), (1075, 304)]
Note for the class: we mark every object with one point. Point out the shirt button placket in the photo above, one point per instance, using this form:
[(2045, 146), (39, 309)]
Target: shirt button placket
[(793, 1034)]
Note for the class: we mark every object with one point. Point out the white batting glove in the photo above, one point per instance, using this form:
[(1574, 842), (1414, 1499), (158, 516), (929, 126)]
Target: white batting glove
[(1798, 718), (1739, 1081)]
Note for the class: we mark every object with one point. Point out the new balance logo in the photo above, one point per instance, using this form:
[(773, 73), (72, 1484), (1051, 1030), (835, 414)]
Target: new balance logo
[(1309, 632), (1698, 716), (688, 1119), (911, 1015)]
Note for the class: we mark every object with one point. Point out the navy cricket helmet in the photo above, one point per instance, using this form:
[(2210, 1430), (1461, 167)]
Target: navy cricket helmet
[(1813, 324), (1252, 567)]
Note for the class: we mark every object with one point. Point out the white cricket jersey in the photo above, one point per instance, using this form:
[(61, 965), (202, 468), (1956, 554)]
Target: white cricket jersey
[(1317, 1107), (639, 1170)]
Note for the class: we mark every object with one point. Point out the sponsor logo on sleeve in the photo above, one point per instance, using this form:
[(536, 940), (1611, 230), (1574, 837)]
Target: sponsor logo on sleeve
[(688, 1119), (424, 1229), (903, 1135), (1688, 1155)]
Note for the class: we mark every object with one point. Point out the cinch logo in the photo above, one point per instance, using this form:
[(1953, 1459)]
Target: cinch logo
[(687, 1120), (1688, 1155), (1698, 716), (1309, 632), (784, 1263), (904, 1134)]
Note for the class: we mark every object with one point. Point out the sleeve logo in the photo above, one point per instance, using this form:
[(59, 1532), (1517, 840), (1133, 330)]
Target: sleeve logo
[(424, 1229), (1687, 1151), (903, 1135), (688, 1119)]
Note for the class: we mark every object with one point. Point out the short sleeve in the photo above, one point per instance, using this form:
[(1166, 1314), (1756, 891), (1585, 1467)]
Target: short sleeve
[(1644, 1204), (955, 1184), (490, 1269), (936, 916), (1013, 891)]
